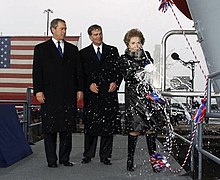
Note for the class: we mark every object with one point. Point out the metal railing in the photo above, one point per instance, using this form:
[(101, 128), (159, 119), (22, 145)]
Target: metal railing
[(27, 107), (164, 46), (30, 107), (199, 144), (199, 135), (209, 114)]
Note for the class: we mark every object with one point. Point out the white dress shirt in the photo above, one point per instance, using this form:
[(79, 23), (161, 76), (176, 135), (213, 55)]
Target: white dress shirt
[(61, 44)]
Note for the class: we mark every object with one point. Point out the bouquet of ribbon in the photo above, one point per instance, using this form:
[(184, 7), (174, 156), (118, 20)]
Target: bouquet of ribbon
[(159, 162)]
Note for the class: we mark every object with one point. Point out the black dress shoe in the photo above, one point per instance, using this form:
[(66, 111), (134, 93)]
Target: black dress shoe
[(67, 163), (52, 165), (106, 161), (85, 160)]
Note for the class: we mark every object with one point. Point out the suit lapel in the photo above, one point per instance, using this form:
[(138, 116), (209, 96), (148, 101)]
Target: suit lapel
[(65, 49), (93, 55), (54, 50), (103, 57)]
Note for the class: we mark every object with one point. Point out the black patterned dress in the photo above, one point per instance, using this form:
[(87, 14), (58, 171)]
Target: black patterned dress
[(140, 115)]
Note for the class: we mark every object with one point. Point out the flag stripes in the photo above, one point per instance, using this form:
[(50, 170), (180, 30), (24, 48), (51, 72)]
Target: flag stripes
[(16, 59)]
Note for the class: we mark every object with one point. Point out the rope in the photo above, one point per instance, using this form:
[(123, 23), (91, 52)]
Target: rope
[(193, 52), (169, 3), (188, 152)]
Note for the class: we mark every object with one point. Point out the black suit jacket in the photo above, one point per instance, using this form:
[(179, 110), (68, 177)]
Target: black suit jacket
[(59, 79), (102, 108)]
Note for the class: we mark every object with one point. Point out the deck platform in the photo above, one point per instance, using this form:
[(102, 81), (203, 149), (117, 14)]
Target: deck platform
[(34, 167)]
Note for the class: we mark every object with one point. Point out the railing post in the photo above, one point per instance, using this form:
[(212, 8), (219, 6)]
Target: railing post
[(208, 108), (25, 121), (199, 151), (28, 98), (192, 150)]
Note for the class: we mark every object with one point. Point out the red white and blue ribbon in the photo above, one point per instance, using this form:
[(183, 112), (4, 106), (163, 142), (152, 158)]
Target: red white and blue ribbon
[(200, 114), (165, 4), (155, 97), (159, 162)]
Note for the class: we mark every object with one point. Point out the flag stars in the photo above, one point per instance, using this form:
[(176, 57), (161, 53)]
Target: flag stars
[(4, 52)]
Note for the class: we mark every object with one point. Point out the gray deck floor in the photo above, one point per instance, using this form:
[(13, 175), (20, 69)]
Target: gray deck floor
[(34, 167)]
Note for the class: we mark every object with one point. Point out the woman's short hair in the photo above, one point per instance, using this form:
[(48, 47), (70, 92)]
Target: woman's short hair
[(133, 33)]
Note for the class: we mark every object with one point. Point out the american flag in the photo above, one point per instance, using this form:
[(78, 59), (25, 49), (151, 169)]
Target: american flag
[(16, 59)]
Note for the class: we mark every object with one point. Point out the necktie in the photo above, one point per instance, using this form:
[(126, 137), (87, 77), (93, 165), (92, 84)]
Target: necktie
[(59, 49), (99, 53)]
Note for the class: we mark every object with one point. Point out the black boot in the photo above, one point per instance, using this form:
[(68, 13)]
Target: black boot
[(151, 143), (132, 141)]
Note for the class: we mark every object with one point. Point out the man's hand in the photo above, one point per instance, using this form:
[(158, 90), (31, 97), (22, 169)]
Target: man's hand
[(79, 95), (94, 88), (40, 97), (112, 87)]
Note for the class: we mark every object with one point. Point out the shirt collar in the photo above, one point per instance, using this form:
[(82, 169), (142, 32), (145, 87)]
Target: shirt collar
[(96, 48), (55, 42)]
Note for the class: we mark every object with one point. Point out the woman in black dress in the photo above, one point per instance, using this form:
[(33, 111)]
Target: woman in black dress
[(138, 117)]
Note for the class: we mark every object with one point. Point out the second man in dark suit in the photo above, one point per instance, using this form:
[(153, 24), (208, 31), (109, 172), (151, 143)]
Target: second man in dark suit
[(102, 80)]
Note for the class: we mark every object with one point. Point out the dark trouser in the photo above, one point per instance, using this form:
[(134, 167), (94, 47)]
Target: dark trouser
[(50, 144), (90, 144)]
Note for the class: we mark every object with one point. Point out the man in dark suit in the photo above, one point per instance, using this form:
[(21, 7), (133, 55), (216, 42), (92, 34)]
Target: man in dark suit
[(101, 79), (57, 81)]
